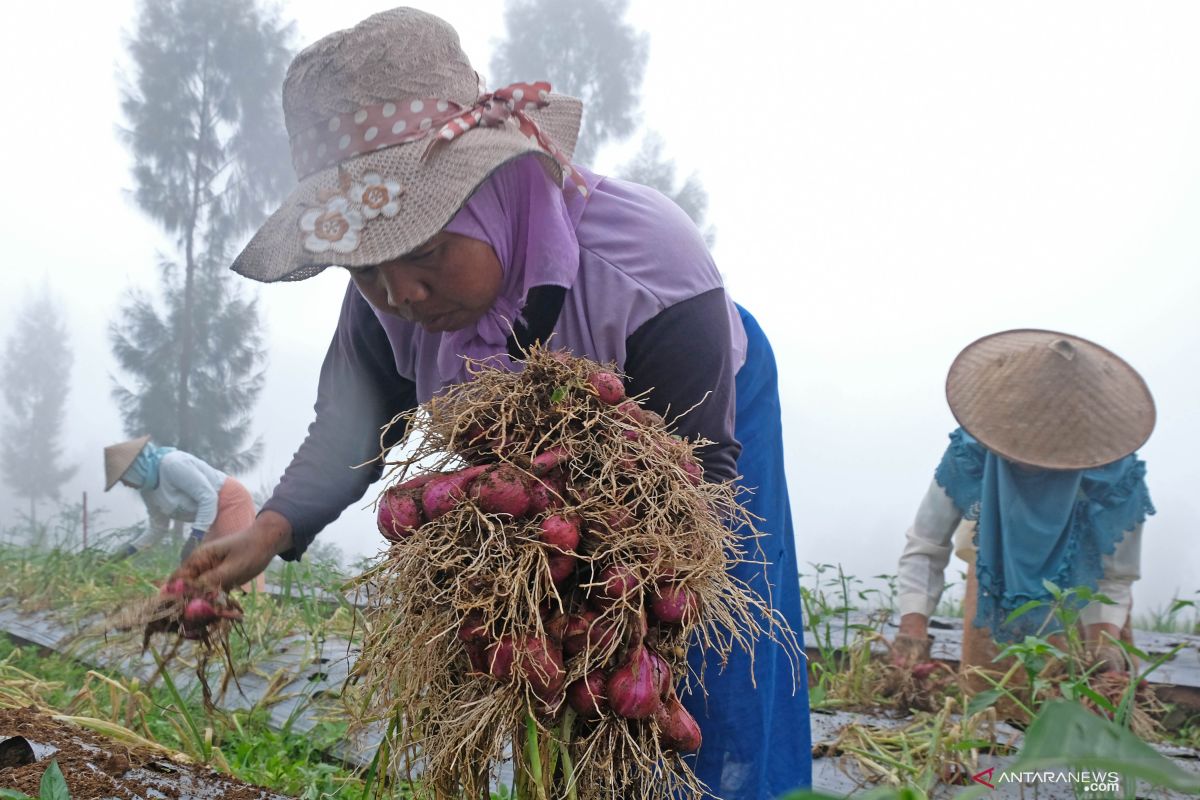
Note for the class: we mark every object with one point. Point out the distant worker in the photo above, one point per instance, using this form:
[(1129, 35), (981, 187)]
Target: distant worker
[(1044, 478), (176, 485)]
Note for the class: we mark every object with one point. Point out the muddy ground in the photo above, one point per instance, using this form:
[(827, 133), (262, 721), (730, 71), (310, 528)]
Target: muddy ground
[(97, 767)]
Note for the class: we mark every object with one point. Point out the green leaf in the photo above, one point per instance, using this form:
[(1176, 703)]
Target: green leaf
[(1024, 608), (983, 700), (559, 395), (1065, 735), (53, 785), (1097, 698), (1052, 587), (1133, 650), (1179, 605), (12, 794), (1030, 650)]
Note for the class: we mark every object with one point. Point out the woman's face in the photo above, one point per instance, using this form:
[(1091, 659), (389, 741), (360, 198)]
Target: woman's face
[(446, 284)]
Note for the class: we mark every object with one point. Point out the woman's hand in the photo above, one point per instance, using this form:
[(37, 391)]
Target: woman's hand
[(232, 560), (911, 645), (1104, 652), (190, 544)]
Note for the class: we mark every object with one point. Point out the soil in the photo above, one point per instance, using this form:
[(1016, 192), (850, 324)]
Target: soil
[(97, 767)]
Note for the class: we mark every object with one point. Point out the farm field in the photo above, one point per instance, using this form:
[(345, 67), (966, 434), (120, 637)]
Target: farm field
[(282, 727)]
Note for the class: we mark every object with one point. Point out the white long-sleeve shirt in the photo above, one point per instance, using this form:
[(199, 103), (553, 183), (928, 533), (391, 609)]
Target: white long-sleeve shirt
[(187, 491), (931, 540)]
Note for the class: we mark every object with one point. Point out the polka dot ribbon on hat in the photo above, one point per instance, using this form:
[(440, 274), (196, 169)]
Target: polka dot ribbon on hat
[(496, 108), (381, 125)]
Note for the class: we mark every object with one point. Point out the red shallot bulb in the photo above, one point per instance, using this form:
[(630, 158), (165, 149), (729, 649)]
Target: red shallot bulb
[(587, 695)]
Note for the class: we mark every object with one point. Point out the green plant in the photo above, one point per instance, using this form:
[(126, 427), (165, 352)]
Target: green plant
[(1044, 657), (933, 748), (1064, 735), (1058, 641), (1168, 620), (841, 672), (80, 585), (952, 605), (887, 595), (52, 787), (1123, 713)]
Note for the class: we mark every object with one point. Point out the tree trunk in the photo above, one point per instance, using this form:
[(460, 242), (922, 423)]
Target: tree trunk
[(187, 333), (186, 343)]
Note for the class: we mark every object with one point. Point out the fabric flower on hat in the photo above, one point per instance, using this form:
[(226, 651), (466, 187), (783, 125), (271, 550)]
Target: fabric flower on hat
[(334, 226), (376, 195)]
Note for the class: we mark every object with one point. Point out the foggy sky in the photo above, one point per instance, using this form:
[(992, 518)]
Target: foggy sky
[(889, 181)]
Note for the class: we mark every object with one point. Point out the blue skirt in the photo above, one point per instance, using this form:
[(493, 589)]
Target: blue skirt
[(757, 741)]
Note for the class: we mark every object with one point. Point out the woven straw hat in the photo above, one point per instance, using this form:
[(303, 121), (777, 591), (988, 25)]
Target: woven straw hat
[(1049, 399), (118, 458), (390, 134)]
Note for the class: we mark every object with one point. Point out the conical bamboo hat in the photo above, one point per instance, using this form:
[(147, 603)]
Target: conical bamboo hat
[(1049, 399), (118, 458)]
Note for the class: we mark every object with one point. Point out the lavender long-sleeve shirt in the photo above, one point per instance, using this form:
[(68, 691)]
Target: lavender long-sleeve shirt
[(647, 297)]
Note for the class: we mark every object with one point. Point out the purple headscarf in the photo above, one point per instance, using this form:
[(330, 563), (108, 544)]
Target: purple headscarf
[(632, 254), (524, 217)]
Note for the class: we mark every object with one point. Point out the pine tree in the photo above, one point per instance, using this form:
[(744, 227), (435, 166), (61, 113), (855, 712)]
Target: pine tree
[(36, 376), (225, 376), (210, 156), (586, 50)]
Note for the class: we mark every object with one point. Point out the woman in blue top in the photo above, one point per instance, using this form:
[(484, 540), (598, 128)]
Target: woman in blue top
[(1044, 470)]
